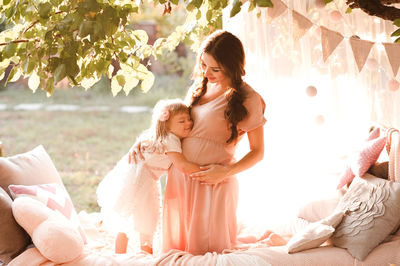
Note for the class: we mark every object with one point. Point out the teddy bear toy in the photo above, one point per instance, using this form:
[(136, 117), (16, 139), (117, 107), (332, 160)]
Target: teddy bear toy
[(52, 234)]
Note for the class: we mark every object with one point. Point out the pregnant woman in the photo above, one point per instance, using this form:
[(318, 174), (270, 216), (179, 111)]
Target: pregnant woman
[(199, 213)]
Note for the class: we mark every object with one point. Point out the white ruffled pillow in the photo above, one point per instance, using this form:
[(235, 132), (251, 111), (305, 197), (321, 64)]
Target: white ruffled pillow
[(372, 207)]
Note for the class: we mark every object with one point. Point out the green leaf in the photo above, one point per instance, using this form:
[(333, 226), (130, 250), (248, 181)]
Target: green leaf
[(198, 15), (6, 2), (49, 87), (251, 6), (209, 14), (73, 68), (121, 80), (175, 2), (88, 83), (396, 22), (395, 33), (131, 83), (397, 40), (349, 10), (9, 50), (11, 75), (327, 1), (197, 3), (44, 10), (60, 73), (16, 75), (115, 87), (215, 4), (29, 65), (33, 82), (237, 6), (264, 3), (10, 11), (190, 7), (147, 83)]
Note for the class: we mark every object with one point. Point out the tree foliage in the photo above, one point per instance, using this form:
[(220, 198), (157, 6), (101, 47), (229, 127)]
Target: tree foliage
[(49, 40)]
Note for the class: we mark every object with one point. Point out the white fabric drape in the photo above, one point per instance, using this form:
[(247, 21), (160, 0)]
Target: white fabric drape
[(307, 137)]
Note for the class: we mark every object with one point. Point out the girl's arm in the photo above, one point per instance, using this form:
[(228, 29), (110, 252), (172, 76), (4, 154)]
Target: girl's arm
[(213, 174), (183, 165)]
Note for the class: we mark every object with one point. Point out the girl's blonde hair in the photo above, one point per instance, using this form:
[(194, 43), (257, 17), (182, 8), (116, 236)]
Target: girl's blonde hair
[(163, 111)]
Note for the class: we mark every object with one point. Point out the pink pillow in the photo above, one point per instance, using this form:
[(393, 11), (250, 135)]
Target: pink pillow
[(368, 156), (54, 197), (347, 177), (364, 158), (53, 235)]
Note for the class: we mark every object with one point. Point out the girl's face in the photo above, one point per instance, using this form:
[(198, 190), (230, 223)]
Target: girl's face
[(212, 71), (180, 124)]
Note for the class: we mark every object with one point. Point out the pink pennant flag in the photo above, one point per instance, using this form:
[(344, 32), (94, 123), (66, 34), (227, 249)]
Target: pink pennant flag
[(393, 53), (330, 40), (276, 11), (301, 25), (361, 49)]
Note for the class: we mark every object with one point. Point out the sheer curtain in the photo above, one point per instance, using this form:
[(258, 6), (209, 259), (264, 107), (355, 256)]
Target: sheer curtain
[(309, 137)]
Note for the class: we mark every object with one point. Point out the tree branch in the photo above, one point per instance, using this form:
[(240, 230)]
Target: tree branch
[(378, 8)]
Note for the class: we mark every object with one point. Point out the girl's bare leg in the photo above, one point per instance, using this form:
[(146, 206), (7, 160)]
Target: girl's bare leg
[(121, 243)]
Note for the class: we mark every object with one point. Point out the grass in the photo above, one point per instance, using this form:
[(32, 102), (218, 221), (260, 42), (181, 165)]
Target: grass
[(84, 145)]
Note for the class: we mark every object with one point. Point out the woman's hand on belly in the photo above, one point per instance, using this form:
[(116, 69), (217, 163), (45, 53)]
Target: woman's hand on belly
[(211, 174)]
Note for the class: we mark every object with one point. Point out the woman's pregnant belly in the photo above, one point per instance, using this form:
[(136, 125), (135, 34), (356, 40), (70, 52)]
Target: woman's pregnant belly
[(203, 151)]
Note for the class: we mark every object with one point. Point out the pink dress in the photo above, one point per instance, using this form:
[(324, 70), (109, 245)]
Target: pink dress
[(202, 218)]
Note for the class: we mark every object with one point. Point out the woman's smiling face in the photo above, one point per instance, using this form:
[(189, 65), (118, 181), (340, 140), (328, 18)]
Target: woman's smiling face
[(212, 71)]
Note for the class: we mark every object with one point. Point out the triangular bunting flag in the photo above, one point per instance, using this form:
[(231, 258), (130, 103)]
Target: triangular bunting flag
[(393, 53), (361, 51), (329, 40), (301, 25), (276, 11)]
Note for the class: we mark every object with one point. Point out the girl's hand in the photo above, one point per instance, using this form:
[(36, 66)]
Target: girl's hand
[(136, 150), (211, 174)]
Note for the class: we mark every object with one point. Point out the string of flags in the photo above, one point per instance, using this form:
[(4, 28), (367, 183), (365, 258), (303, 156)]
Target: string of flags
[(330, 39)]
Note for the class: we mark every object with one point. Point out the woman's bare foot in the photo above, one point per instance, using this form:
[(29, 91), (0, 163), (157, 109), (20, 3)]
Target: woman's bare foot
[(274, 240)]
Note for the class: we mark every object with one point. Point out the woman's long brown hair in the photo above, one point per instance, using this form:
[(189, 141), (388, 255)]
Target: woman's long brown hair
[(228, 51)]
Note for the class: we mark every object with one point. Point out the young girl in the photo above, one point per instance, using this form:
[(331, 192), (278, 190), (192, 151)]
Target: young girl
[(132, 191)]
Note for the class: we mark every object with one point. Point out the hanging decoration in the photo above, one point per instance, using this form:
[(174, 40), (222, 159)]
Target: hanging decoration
[(319, 120), (393, 53), (320, 4), (361, 50), (311, 91), (301, 24), (276, 11), (335, 16), (393, 85), (331, 39)]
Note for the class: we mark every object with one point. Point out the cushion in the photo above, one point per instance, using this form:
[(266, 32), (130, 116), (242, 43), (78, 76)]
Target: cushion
[(53, 235), (30, 168), (54, 197), (320, 209), (364, 158), (368, 156), (13, 239), (380, 169), (372, 207), (314, 234)]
